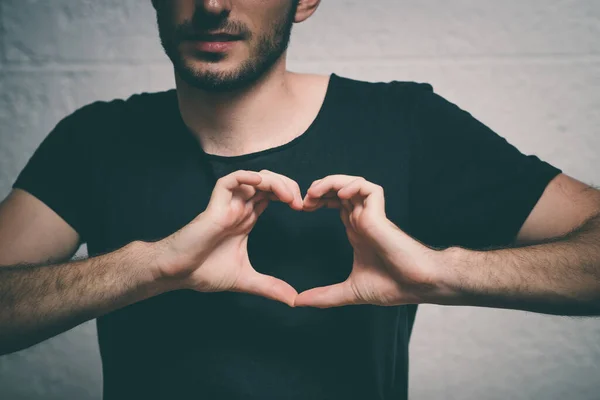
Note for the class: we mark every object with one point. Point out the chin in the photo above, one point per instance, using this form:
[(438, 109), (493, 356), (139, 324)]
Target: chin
[(212, 79), (205, 72), (212, 67), (221, 72)]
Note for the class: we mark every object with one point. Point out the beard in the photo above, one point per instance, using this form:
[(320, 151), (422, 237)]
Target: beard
[(266, 51)]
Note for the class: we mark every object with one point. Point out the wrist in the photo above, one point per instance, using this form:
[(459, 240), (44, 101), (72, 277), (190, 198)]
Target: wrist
[(448, 277), (176, 257), (153, 259)]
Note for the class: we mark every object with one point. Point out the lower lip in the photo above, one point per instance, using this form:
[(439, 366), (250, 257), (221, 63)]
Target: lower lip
[(214, 47)]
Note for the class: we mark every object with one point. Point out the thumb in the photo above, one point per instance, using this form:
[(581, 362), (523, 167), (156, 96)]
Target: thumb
[(258, 284), (339, 294)]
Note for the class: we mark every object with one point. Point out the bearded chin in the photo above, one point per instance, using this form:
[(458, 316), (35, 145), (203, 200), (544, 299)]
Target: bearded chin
[(268, 50)]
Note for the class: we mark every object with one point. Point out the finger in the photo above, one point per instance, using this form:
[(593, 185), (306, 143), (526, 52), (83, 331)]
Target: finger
[(266, 286), (294, 187), (260, 207), (226, 185), (240, 177), (353, 188), (345, 217), (245, 192), (310, 188), (350, 232), (347, 205), (331, 182), (331, 203), (355, 192), (361, 190), (273, 184), (313, 203), (260, 195), (339, 294), (326, 187)]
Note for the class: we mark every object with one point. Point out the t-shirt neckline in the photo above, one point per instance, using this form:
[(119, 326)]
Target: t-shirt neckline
[(312, 128)]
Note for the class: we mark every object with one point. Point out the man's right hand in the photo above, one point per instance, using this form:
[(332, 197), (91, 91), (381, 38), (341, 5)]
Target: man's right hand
[(210, 253)]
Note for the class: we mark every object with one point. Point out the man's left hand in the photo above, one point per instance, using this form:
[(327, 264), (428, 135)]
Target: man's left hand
[(389, 268)]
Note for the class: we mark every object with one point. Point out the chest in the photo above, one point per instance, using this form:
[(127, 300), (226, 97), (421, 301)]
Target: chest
[(150, 197)]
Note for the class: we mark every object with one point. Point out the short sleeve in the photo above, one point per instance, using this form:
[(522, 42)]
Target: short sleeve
[(57, 171), (469, 186)]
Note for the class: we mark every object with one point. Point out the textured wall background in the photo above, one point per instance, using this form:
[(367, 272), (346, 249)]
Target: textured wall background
[(529, 69)]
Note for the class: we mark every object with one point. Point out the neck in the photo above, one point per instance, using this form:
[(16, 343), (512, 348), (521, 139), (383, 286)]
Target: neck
[(243, 121)]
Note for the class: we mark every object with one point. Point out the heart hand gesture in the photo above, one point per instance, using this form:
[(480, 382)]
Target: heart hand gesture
[(389, 268), (210, 253)]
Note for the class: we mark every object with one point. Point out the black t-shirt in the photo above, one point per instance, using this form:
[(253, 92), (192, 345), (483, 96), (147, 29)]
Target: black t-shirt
[(129, 170)]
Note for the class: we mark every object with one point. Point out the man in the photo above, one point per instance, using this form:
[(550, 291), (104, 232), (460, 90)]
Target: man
[(346, 202)]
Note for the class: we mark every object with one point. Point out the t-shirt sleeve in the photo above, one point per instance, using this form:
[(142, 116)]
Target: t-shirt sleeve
[(469, 186), (57, 172)]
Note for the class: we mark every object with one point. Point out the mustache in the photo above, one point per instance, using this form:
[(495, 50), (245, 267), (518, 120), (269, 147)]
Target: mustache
[(193, 30)]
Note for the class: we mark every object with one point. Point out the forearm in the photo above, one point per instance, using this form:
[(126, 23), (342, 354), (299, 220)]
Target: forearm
[(560, 276), (37, 302)]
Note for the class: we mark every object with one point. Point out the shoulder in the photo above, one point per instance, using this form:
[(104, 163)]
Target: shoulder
[(107, 120), (389, 102), (382, 92), (145, 105), (387, 109)]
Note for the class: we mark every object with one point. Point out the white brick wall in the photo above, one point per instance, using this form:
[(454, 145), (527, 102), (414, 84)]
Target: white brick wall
[(529, 69)]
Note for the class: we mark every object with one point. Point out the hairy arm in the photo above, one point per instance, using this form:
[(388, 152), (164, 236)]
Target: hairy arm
[(40, 301), (559, 276)]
